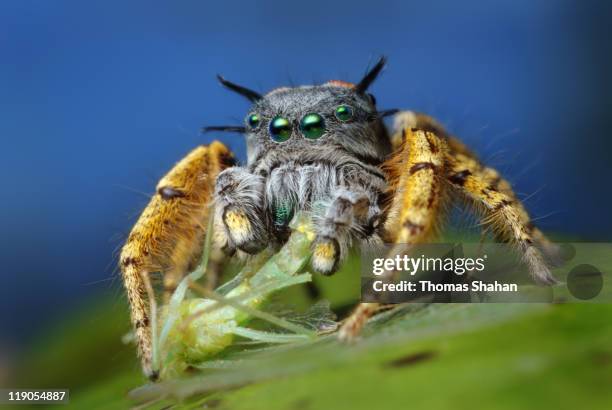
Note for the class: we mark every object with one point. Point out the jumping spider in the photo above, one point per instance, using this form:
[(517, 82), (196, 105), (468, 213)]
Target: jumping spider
[(322, 146)]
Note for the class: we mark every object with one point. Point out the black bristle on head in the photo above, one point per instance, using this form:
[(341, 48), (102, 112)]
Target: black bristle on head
[(225, 128), (371, 75), (387, 113), (379, 115), (249, 94)]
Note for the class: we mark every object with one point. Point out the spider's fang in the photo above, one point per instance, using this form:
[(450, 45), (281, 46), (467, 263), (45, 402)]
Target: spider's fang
[(283, 214)]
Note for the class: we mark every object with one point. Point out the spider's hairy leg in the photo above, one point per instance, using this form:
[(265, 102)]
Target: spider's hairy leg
[(503, 211), (494, 179), (407, 120), (351, 328), (168, 236), (239, 198), (417, 187), (349, 212)]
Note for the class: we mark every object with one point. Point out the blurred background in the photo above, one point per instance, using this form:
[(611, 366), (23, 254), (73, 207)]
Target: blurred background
[(99, 99)]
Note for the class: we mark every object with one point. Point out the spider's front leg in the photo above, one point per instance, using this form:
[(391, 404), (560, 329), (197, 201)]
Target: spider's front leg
[(417, 188), (239, 199), (168, 236)]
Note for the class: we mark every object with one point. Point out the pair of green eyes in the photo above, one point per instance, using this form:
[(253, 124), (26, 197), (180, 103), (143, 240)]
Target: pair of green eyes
[(312, 125)]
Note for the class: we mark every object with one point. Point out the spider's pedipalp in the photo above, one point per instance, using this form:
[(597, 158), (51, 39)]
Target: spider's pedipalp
[(348, 215), (239, 202), (168, 236)]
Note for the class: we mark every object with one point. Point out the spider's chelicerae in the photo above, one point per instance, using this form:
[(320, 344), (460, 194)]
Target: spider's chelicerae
[(322, 149)]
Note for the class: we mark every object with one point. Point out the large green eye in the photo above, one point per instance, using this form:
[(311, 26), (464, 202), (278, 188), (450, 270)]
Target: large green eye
[(280, 129), (344, 113), (312, 126), (253, 120)]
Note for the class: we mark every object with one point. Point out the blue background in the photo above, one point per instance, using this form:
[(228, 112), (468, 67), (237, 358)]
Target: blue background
[(99, 99)]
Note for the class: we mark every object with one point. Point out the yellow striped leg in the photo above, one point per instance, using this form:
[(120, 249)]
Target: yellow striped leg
[(417, 186), (503, 212), (168, 236)]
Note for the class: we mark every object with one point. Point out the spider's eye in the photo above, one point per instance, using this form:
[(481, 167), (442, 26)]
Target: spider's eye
[(344, 113), (253, 120), (312, 126), (280, 129)]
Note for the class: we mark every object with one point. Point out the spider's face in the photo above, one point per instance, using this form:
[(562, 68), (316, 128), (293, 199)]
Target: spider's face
[(316, 121)]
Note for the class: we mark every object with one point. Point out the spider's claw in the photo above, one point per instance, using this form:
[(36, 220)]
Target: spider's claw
[(325, 255), (545, 279), (238, 195), (539, 270)]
